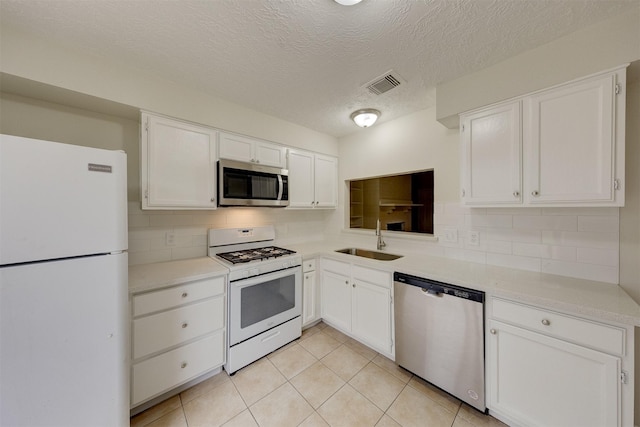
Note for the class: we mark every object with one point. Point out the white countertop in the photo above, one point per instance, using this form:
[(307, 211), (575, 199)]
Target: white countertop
[(147, 277), (588, 298), (603, 301)]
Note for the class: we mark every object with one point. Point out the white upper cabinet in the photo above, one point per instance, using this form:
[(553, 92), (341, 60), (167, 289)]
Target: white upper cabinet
[(574, 151), (245, 149), (492, 137), (178, 164), (563, 146), (313, 180)]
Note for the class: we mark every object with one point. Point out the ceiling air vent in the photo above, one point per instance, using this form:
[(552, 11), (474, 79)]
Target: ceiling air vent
[(384, 83)]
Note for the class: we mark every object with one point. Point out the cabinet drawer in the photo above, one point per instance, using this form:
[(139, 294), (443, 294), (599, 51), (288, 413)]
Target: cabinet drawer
[(308, 265), (382, 278), (177, 295), (168, 370), (159, 331), (607, 338), (336, 266)]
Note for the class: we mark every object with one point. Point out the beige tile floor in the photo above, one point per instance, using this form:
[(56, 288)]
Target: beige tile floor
[(323, 379)]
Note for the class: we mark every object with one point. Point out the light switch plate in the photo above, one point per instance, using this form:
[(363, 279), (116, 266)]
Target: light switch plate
[(451, 235), (170, 238), (474, 238)]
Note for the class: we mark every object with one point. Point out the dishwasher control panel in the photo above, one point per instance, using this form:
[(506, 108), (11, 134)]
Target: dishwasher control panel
[(436, 288)]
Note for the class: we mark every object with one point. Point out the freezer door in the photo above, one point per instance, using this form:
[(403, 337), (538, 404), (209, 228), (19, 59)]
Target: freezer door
[(60, 200), (63, 343)]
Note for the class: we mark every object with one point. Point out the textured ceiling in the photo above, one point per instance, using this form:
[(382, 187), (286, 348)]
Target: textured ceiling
[(305, 61)]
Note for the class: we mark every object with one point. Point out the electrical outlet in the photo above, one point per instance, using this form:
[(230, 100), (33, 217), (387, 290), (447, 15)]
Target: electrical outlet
[(474, 238), (170, 238), (451, 235)]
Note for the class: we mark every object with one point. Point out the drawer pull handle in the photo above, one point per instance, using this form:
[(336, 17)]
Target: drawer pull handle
[(546, 322), (493, 331), (184, 295), (184, 325), (183, 365)]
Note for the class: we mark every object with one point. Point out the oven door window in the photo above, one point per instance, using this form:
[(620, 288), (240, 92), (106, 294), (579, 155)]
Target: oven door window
[(242, 184), (267, 299)]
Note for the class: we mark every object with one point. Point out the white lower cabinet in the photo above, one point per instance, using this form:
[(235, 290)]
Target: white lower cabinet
[(172, 368), (178, 334), (310, 293), (358, 301), (336, 299), (550, 369)]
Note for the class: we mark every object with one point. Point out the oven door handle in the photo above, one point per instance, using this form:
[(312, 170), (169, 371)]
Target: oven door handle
[(254, 280)]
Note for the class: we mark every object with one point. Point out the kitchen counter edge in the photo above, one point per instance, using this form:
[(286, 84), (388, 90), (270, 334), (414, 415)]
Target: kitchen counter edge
[(149, 277), (587, 298)]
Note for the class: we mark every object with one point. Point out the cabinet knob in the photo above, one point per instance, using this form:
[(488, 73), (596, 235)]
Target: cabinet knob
[(213, 199), (493, 331), (546, 322), (353, 285), (346, 282), (183, 365), (312, 203), (535, 193), (258, 161), (516, 194), (185, 294), (184, 325)]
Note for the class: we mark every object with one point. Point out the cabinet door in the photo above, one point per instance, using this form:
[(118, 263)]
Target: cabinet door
[(326, 181), (372, 315), (336, 300), (309, 298), (178, 165), (570, 138), (270, 154), (541, 381), (236, 147), (301, 179), (491, 153)]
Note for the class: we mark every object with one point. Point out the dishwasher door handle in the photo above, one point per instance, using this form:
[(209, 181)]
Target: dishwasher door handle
[(431, 293)]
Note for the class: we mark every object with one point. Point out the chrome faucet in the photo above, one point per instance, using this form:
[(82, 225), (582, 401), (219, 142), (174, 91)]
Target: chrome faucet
[(381, 244)]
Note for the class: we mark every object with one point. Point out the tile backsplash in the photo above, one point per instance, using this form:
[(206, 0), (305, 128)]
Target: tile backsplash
[(574, 242), (156, 236)]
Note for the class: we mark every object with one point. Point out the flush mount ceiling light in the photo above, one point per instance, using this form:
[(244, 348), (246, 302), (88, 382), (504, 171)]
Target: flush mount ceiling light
[(347, 2), (365, 117)]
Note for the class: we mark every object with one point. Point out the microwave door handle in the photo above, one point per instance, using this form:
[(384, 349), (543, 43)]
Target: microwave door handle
[(280, 187)]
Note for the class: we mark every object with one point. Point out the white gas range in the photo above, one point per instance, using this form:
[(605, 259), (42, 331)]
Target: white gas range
[(264, 292)]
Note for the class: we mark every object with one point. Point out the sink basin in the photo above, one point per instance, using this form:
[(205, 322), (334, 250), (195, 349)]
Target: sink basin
[(380, 256)]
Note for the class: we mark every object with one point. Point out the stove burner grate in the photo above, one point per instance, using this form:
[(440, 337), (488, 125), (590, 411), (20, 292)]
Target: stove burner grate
[(248, 255)]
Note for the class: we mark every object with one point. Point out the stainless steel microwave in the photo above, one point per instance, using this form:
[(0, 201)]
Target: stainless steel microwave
[(249, 184)]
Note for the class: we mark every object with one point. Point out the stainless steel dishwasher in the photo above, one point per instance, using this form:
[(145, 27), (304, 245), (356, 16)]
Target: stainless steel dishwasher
[(440, 335)]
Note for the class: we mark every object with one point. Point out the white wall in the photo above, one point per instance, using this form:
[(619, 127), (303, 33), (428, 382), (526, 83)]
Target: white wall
[(574, 242), (43, 62), (38, 119), (411, 143), (602, 46), (630, 214)]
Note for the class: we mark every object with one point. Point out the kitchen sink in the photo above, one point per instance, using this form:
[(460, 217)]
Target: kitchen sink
[(380, 256)]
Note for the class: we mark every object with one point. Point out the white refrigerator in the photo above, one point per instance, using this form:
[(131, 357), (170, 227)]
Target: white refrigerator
[(63, 285)]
